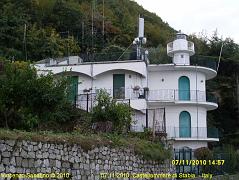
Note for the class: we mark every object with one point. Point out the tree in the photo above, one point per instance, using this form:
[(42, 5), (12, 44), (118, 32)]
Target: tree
[(159, 55), (27, 100), (45, 43)]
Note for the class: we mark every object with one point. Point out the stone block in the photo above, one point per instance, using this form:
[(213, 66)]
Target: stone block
[(18, 161), (46, 163), (2, 168), (3, 147), (6, 154), (31, 163), (10, 142), (66, 165), (76, 166), (25, 163)]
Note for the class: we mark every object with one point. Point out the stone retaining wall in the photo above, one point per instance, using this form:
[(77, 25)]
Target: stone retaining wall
[(32, 158)]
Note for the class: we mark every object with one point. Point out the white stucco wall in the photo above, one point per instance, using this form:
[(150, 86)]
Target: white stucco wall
[(169, 80), (189, 144), (132, 79), (136, 66), (198, 119), (84, 83)]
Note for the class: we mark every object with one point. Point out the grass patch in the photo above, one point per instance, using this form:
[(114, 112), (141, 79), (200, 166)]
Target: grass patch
[(149, 150)]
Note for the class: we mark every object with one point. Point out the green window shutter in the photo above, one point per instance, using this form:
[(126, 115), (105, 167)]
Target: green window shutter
[(119, 86), (184, 88), (184, 124)]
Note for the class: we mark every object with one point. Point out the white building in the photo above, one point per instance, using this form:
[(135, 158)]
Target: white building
[(169, 98)]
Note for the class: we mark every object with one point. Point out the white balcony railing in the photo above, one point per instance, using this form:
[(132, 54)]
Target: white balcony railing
[(192, 132), (172, 95)]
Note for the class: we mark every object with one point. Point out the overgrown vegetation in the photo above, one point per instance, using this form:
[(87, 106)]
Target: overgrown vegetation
[(149, 150), (227, 153), (55, 28), (28, 101), (231, 157), (108, 110)]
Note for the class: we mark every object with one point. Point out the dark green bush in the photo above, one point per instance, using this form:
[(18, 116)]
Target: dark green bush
[(28, 100), (203, 153), (107, 109)]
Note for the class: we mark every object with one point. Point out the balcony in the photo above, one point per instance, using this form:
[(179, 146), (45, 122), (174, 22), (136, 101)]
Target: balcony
[(86, 99), (172, 95), (159, 129), (193, 132), (124, 93)]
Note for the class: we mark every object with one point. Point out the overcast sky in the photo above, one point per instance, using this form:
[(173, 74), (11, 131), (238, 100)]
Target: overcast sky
[(195, 16)]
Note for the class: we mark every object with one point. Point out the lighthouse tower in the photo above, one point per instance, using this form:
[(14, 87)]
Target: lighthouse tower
[(181, 49), (188, 114), (180, 88)]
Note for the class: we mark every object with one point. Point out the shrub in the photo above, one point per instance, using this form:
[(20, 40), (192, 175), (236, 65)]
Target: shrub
[(27, 100), (203, 153), (107, 109)]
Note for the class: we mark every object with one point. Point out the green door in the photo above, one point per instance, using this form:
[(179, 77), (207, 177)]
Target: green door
[(184, 88), (73, 89), (184, 124), (119, 86)]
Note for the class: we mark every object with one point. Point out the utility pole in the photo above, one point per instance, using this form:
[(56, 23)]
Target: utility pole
[(237, 80), (219, 59), (68, 46), (82, 32), (24, 41)]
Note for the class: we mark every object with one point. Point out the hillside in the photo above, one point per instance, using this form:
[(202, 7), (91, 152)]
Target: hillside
[(38, 29), (54, 28)]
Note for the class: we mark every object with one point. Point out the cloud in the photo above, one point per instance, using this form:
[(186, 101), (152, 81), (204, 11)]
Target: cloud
[(192, 16)]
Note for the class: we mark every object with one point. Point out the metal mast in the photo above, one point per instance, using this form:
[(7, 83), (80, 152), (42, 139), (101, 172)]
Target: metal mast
[(103, 24), (92, 23)]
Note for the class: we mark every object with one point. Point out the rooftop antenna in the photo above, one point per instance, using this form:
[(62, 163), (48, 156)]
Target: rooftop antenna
[(219, 59), (140, 40), (137, 41)]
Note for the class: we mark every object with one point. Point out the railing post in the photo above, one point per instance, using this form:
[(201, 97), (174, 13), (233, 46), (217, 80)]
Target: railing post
[(197, 133), (75, 100), (174, 95), (87, 100), (147, 120)]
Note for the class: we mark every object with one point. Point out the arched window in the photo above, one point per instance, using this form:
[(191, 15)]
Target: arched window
[(184, 124), (184, 88)]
